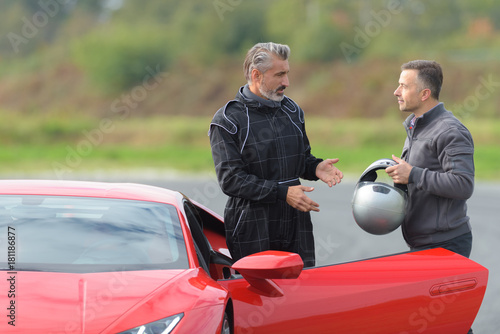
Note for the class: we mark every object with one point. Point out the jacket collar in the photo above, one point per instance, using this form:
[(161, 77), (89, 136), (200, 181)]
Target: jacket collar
[(246, 96), (428, 117)]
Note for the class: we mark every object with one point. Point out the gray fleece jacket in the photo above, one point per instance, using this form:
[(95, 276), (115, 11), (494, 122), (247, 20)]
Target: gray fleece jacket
[(441, 151)]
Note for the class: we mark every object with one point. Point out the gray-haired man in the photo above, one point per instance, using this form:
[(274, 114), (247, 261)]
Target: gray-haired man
[(260, 151)]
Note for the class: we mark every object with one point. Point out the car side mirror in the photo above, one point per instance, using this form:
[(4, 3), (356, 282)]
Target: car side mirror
[(261, 268)]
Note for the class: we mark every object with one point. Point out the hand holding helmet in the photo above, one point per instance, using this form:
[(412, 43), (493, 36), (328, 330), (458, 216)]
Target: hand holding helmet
[(378, 208), (400, 172)]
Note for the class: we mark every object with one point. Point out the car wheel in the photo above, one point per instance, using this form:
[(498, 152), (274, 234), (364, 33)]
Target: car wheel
[(226, 325)]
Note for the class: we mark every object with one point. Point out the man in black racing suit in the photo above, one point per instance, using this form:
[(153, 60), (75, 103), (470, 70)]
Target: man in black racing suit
[(260, 150)]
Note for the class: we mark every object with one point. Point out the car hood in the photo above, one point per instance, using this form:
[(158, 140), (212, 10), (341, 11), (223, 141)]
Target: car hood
[(106, 302)]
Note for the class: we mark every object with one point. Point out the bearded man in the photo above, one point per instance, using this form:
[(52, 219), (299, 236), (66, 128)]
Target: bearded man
[(261, 151)]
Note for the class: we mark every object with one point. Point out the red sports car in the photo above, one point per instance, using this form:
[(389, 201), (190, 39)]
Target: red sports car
[(85, 257)]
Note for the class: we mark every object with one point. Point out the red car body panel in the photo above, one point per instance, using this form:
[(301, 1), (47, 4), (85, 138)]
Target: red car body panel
[(434, 291), (113, 302), (382, 295)]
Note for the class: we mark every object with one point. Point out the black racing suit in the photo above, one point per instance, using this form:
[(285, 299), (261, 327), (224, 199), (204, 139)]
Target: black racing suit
[(260, 148)]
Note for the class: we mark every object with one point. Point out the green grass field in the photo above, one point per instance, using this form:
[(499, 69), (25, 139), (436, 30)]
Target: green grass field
[(64, 145)]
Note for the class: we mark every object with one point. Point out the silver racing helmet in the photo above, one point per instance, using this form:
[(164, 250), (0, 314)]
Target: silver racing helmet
[(378, 207)]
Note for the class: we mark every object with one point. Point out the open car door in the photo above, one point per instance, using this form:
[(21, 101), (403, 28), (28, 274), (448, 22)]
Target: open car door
[(432, 291)]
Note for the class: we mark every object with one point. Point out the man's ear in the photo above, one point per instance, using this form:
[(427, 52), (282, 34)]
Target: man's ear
[(426, 94), (256, 76)]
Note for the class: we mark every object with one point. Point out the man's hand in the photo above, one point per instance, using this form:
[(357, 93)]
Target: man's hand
[(399, 173), (328, 173), (297, 198)]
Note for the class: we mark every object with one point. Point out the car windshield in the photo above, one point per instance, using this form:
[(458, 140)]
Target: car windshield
[(84, 234)]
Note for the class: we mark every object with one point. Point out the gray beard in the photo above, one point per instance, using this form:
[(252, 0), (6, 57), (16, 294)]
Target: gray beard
[(271, 95)]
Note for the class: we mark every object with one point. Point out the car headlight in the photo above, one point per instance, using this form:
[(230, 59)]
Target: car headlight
[(163, 326)]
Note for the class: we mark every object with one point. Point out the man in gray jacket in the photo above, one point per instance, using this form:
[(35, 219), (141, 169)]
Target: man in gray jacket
[(437, 164)]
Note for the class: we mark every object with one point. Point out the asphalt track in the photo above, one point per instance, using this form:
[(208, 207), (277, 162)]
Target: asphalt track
[(339, 239)]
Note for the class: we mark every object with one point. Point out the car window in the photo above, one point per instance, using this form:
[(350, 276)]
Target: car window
[(201, 243), (84, 234)]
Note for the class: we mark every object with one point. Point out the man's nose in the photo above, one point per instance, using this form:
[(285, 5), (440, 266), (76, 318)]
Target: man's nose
[(285, 82)]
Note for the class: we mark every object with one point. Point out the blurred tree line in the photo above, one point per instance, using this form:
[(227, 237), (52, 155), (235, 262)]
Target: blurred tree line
[(113, 41)]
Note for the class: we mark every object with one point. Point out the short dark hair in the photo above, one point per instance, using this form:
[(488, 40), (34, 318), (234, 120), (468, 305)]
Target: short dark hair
[(430, 74)]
